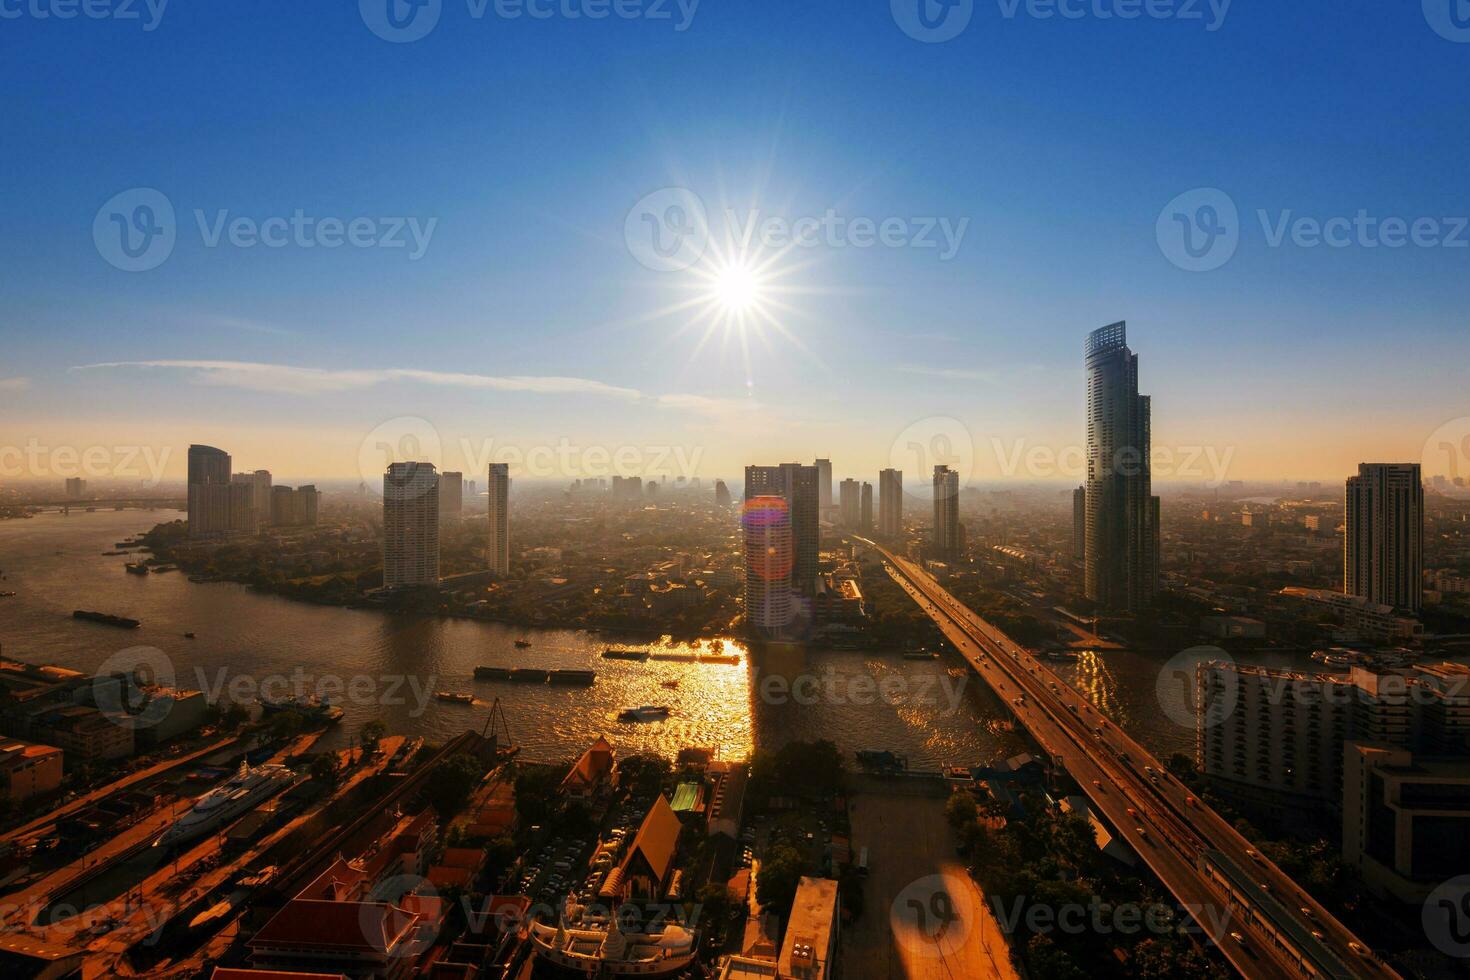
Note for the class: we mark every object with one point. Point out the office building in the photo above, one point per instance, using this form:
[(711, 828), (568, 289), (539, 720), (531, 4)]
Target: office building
[(722, 494), (865, 510), (497, 543), (779, 523), (1079, 523), (410, 525), (824, 488), (1122, 541), (294, 508), (946, 537), (259, 483), (1383, 547), (849, 503), (27, 769), (451, 496), (75, 487), (890, 504), (1273, 738), (209, 494), (1405, 819)]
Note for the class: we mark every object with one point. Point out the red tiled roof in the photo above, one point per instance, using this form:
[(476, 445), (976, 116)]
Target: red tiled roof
[(338, 883), (463, 857), (656, 841), (442, 876), (596, 763), (374, 927)]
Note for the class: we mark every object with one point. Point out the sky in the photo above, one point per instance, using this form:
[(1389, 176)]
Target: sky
[(181, 178)]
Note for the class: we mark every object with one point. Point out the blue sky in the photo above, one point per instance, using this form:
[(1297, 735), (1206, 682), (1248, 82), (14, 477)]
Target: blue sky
[(528, 141)]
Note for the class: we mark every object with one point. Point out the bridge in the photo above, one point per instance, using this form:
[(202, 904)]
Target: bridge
[(150, 503), (1261, 920)]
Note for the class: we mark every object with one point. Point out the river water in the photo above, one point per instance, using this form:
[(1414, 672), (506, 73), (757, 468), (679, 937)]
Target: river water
[(376, 665)]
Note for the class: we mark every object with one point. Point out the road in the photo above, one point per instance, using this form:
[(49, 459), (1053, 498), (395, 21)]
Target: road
[(1151, 810)]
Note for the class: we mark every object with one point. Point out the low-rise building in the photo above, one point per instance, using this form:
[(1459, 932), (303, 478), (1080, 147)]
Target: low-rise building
[(87, 734), (28, 769), (809, 950)]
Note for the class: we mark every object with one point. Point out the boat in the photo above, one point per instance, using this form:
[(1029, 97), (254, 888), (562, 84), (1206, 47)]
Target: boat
[(6, 595), (529, 675), (669, 684), (645, 712), (676, 658), (720, 658), (244, 790), (106, 619), (522, 644), (311, 709), (619, 653), (455, 698), (136, 568), (1060, 655), (921, 655), (492, 673), (188, 636), (114, 554), (574, 678)]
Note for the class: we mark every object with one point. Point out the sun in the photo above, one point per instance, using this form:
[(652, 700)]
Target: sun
[(736, 287)]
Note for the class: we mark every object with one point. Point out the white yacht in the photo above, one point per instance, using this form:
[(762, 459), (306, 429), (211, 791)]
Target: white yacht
[(224, 803)]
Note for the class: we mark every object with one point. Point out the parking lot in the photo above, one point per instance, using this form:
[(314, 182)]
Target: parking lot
[(925, 917)]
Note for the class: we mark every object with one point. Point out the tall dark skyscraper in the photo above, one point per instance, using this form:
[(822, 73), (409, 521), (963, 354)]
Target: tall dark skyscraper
[(890, 503), (1122, 541), (849, 503), (946, 513), (824, 486), (1383, 548), (1079, 523), (780, 527), (865, 509)]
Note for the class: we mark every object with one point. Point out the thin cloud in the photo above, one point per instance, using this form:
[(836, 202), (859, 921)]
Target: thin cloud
[(288, 379), (949, 374), (15, 384)]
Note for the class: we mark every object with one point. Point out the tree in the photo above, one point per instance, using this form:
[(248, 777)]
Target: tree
[(285, 725), (233, 717), (1048, 961), (713, 904), (323, 768), (449, 786), (779, 875), (961, 810), (372, 733)]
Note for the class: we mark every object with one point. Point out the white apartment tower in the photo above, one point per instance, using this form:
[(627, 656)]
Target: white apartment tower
[(410, 525)]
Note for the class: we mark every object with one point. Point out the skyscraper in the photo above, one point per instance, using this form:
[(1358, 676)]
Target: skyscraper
[(1122, 540), (890, 503), (946, 513), (849, 499), (780, 513), (410, 525), (722, 494), (1079, 523), (260, 493), (451, 496), (217, 505), (865, 510), (497, 545), (824, 488), (1383, 548)]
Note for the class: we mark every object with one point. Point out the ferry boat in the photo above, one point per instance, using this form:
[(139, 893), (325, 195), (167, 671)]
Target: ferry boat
[(311, 709), (224, 803), (136, 568), (646, 712), (106, 619), (455, 698), (7, 595), (608, 951), (618, 653), (522, 644)]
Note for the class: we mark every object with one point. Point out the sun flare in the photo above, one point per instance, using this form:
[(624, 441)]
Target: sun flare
[(736, 287)]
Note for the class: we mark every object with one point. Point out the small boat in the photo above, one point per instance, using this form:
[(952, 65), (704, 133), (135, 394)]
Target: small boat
[(921, 655), (646, 712), (136, 568), (720, 658), (455, 698), (619, 653), (189, 636), (6, 595), (669, 684), (676, 658), (522, 644)]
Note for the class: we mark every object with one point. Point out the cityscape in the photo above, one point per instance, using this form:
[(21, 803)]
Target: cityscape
[(446, 535)]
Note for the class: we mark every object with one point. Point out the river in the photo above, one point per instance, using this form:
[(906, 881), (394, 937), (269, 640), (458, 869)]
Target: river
[(376, 665)]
